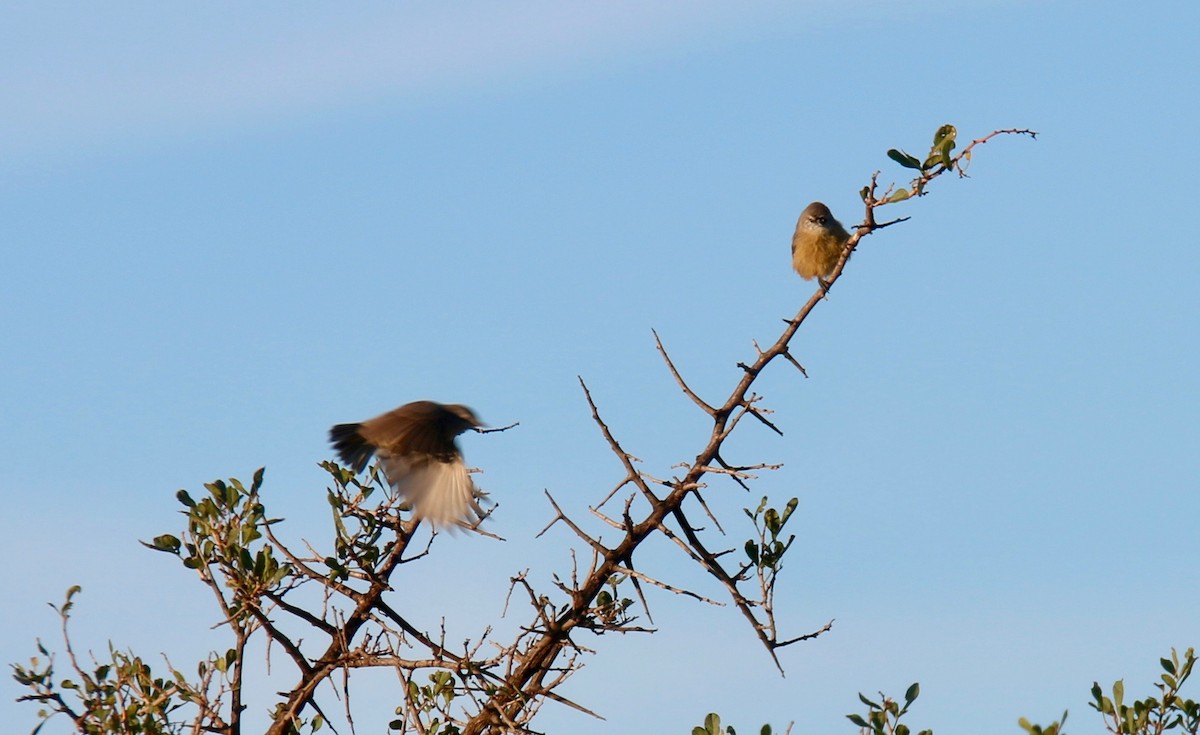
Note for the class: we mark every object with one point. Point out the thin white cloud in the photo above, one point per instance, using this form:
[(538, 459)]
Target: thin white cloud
[(81, 76)]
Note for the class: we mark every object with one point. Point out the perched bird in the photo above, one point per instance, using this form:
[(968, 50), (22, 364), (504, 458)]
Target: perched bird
[(420, 458), (818, 243)]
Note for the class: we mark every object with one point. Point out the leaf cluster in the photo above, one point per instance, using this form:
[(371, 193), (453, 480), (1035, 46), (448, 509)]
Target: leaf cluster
[(712, 726), (1152, 715), (883, 717)]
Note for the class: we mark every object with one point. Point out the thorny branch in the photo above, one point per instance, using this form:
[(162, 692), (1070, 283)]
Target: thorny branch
[(256, 578), (724, 418)]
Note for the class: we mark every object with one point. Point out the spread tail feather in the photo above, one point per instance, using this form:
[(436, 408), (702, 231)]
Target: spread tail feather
[(440, 492), (353, 450)]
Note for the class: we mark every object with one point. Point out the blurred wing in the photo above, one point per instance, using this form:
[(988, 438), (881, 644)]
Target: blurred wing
[(415, 428)]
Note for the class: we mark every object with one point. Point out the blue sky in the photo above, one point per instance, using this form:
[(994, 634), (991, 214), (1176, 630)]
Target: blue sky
[(226, 228)]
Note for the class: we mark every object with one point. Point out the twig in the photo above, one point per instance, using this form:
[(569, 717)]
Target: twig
[(679, 378)]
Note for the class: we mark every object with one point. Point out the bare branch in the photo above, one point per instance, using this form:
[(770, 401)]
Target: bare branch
[(679, 378), (494, 429), (560, 516)]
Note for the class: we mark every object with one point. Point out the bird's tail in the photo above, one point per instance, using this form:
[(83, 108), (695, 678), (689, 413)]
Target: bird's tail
[(354, 451)]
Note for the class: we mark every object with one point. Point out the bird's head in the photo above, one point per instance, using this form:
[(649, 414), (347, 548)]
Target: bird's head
[(461, 418)]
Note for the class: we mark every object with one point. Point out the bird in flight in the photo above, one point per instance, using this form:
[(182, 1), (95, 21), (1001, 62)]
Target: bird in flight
[(416, 445)]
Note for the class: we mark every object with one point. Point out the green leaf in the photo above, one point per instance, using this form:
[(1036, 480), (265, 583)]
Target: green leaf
[(337, 568), (183, 497), (790, 508), (1167, 665), (249, 534), (899, 195), (945, 134), (857, 720), (911, 695), (166, 542), (903, 159), (947, 158), (712, 723), (752, 551), (232, 493)]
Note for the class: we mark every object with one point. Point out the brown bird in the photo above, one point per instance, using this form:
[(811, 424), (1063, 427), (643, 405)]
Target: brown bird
[(818, 243), (421, 460)]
